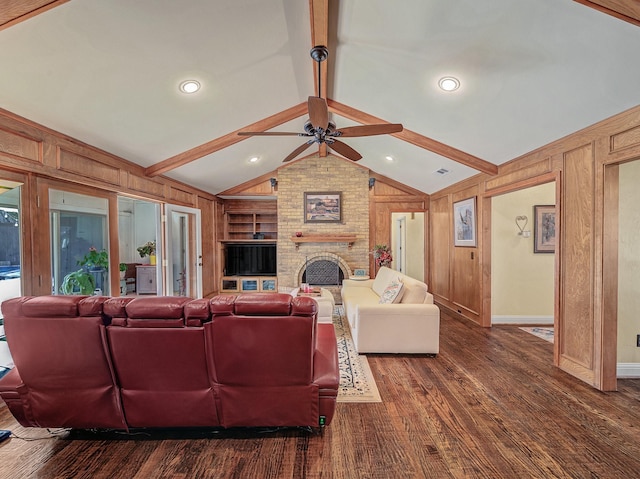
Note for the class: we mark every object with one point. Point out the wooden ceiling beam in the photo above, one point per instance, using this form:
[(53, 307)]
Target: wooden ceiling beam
[(621, 9), (229, 139), (319, 13), (16, 11), (416, 139), (319, 16)]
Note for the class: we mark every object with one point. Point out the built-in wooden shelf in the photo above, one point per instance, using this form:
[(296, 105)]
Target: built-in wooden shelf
[(344, 238)]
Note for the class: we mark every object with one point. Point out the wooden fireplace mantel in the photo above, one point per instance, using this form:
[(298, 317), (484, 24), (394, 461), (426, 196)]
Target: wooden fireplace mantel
[(343, 238)]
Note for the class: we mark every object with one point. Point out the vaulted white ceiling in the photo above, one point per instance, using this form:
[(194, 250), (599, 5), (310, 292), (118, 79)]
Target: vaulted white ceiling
[(107, 72)]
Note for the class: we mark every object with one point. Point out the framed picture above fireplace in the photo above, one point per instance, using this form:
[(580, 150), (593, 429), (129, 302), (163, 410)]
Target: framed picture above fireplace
[(323, 207)]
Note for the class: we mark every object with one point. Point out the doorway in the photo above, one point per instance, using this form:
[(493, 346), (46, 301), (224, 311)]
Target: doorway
[(184, 251), (407, 243), (138, 225), (522, 277), (622, 266)]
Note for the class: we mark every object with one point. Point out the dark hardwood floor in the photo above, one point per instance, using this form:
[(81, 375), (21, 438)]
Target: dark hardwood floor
[(490, 405)]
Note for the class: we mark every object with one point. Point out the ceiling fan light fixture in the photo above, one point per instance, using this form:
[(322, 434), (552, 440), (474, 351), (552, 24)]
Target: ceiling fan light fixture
[(449, 83), (189, 86)]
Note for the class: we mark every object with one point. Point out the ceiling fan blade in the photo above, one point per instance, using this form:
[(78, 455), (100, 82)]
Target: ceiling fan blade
[(318, 112), (345, 150), (369, 130), (297, 151), (270, 133)]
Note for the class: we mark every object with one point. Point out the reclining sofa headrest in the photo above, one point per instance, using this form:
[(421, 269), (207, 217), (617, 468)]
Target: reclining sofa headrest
[(65, 306), (263, 304)]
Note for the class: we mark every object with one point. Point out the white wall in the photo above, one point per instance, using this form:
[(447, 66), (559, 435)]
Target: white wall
[(522, 282), (629, 263)]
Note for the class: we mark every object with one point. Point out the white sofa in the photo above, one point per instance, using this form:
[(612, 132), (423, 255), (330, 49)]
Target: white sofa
[(411, 325)]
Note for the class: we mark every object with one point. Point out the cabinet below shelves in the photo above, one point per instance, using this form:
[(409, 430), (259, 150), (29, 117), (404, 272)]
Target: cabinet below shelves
[(249, 284), (146, 280)]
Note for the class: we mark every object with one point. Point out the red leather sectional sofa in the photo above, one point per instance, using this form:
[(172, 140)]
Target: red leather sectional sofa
[(118, 363)]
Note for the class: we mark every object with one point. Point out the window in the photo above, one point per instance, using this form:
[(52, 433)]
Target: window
[(78, 223)]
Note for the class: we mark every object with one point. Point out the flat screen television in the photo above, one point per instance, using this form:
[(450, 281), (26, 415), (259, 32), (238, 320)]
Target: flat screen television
[(250, 260)]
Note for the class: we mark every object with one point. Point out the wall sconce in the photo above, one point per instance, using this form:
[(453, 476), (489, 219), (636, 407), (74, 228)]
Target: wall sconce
[(521, 223), (372, 182), (274, 182)]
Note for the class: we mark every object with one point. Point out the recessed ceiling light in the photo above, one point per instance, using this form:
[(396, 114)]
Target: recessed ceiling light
[(449, 83), (389, 158), (189, 86), (253, 159)]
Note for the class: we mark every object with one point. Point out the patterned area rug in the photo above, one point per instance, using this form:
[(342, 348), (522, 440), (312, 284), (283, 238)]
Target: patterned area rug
[(544, 333), (356, 381)]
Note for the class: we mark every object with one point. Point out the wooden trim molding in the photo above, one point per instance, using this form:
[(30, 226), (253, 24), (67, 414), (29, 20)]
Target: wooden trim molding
[(319, 13), (621, 9), (16, 11), (226, 140)]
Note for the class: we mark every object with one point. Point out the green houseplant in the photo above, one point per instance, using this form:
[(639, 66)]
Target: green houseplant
[(147, 249), (78, 282), (95, 259)]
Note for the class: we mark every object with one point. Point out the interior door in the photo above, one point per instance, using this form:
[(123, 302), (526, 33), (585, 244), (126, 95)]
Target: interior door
[(184, 251), (400, 244)]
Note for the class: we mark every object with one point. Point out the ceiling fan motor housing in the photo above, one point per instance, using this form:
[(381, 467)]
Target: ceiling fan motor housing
[(319, 53)]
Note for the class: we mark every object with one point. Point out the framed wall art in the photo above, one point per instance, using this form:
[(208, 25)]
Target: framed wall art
[(544, 229), (464, 223), (323, 207)]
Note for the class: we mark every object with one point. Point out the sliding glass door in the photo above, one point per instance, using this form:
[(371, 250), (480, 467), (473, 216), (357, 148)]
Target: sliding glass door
[(78, 226)]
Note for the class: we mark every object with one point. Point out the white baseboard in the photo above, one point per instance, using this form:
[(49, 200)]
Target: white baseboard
[(543, 320), (628, 370)]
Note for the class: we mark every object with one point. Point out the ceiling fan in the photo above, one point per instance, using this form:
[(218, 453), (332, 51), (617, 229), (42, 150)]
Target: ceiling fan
[(319, 129)]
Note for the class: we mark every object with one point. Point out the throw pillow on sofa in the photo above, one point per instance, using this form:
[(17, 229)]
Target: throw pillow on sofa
[(393, 292)]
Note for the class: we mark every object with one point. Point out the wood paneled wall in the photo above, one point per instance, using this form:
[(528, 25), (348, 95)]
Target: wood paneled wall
[(42, 158), (585, 252), (386, 197), (455, 271)]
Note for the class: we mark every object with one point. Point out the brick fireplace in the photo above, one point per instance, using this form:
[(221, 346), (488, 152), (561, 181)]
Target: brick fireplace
[(323, 269), (315, 174)]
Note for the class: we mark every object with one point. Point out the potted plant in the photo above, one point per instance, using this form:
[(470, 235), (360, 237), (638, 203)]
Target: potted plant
[(123, 269), (78, 282), (148, 249), (95, 260), (382, 255)]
